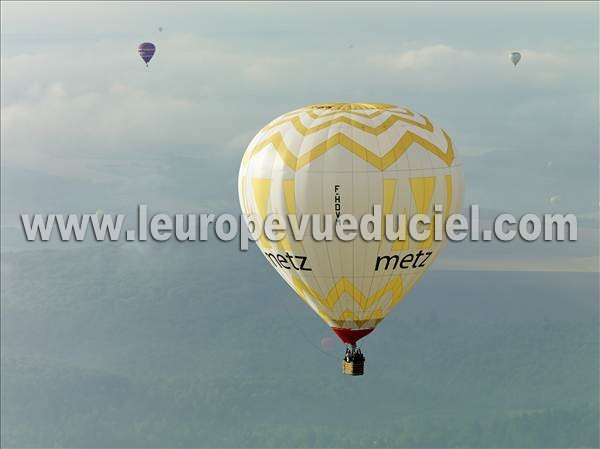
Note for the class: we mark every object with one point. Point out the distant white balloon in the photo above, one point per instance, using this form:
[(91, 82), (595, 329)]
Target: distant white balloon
[(515, 57), (99, 213)]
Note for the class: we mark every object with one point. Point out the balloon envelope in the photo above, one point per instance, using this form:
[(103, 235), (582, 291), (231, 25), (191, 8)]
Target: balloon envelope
[(345, 158), (515, 57), (146, 51)]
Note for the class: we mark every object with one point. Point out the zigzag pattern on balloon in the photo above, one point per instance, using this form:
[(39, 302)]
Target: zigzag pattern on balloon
[(345, 287), (380, 162), (347, 108), (369, 154), (348, 316), (316, 116), (374, 130), (310, 112)]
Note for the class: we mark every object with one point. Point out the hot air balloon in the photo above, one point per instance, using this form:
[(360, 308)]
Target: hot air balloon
[(146, 51), (327, 343), (345, 158), (515, 57)]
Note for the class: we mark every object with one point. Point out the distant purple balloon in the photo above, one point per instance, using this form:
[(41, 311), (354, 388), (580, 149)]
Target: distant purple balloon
[(327, 343), (146, 51)]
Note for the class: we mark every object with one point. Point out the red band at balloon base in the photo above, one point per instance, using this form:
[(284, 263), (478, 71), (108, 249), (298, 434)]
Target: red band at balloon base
[(351, 336)]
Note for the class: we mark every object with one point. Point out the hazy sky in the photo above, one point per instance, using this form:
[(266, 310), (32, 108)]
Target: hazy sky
[(86, 126)]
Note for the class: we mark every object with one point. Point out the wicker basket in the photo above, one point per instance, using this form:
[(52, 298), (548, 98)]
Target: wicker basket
[(354, 368)]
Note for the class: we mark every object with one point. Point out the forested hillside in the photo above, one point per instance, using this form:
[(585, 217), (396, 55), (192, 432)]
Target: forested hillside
[(187, 345)]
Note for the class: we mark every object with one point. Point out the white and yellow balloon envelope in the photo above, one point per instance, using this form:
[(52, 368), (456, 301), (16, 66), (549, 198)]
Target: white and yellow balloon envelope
[(332, 159)]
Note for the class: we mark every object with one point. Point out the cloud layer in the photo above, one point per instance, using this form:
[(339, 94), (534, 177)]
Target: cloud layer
[(78, 106)]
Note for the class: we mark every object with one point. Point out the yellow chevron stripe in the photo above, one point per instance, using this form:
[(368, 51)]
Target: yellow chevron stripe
[(422, 190), (389, 195), (379, 162), (312, 114), (358, 322), (310, 111), (349, 106), (374, 130), (348, 315), (261, 187), (448, 207), (345, 286), (401, 245), (289, 193), (290, 202)]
